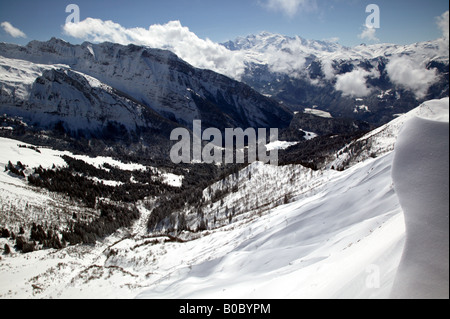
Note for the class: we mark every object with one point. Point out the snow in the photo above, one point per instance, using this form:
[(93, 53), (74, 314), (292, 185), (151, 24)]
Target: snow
[(289, 56), (106, 182), (279, 145), (47, 158), (309, 135), (318, 113), (172, 179), (313, 248), (362, 108), (342, 236), (139, 76), (383, 139), (421, 177), (101, 160), (10, 151), (22, 204), (326, 244), (435, 110), (19, 75)]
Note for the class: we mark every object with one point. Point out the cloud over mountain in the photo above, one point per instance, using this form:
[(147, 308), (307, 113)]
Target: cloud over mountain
[(201, 53), (369, 34), (354, 83), (411, 75)]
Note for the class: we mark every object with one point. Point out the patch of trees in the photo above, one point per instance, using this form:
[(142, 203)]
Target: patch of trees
[(111, 219), (17, 169), (46, 238), (75, 182), (6, 249), (23, 245), (5, 233), (219, 194), (191, 197), (198, 178), (112, 173), (355, 149), (326, 126), (49, 238), (74, 186)]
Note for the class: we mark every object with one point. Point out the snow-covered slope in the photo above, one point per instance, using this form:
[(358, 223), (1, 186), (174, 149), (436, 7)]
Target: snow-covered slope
[(341, 235), (383, 139), (22, 204), (323, 246), (80, 102), (343, 239), (18, 76)]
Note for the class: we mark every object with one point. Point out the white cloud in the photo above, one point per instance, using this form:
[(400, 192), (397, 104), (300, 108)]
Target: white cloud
[(171, 36), (411, 75), (369, 34), (328, 70), (355, 83), (290, 7), (287, 60), (443, 25), (12, 31)]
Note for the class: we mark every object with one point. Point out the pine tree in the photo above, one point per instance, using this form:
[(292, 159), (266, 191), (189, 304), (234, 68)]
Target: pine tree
[(7, 250)]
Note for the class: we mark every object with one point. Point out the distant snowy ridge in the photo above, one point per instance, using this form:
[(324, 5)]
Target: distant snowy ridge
[(365, 82), (266, 42)]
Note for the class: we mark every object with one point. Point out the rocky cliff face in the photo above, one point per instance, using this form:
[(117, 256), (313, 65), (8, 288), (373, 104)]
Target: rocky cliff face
[(161, 81)]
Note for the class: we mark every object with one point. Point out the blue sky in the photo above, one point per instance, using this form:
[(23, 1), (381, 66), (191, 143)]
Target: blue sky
[(402, 22)]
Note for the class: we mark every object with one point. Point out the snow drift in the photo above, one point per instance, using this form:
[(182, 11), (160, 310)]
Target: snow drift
[(421, 177)]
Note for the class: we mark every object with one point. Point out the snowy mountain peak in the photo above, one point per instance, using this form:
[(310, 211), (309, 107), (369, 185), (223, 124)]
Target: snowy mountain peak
[(270, 41), (159, 80)]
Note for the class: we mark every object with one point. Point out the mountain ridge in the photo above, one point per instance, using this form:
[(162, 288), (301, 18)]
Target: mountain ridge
[(162, 81), (367, 82)]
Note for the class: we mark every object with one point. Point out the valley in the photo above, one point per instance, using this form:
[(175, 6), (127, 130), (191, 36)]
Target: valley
[(96, 200)]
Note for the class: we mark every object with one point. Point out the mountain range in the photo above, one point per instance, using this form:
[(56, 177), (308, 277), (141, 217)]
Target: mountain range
[(91, 206), (373, 83), (135, 95), (151, 78)]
